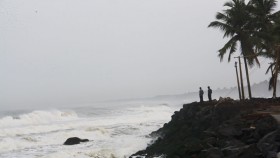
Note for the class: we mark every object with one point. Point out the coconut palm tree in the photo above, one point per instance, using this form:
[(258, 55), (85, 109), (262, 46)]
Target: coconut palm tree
[(235, 23), (262, 14), (273, 52), (266, 24)]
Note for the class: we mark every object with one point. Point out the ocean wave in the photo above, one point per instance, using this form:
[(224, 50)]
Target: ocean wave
[(114, 132), (37, 117)]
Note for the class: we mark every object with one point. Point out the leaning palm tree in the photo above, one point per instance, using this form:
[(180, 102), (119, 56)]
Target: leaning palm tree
[(235, 23)]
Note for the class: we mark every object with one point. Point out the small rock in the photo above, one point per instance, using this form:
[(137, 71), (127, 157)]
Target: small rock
[(74, 140)]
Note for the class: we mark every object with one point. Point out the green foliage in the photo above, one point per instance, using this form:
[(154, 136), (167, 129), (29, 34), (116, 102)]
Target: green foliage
[(255, 28), (235, 23)]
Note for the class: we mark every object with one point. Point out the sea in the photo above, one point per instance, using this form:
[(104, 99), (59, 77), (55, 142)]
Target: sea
[(114, 130)]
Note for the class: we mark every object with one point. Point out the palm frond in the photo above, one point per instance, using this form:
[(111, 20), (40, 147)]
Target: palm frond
[(231, 44), (232, 50), (227, 29), (269, 67)]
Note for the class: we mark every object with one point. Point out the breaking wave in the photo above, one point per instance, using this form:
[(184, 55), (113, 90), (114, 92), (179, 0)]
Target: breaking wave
[(112, 131), (37, 117)]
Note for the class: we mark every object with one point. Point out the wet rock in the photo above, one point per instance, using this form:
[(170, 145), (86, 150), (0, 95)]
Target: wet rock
[(74, 140), (193, 146), (228, 129), (213, 153), (270, 144), (265, 125), (235, 151), (251, 151), (210, 142)]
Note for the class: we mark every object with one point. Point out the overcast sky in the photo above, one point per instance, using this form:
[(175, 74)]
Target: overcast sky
[(59, 52)]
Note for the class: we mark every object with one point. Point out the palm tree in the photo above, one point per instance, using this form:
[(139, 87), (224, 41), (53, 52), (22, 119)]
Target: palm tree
[(235, 23), (261, 14), (267, 28), (273, 52)]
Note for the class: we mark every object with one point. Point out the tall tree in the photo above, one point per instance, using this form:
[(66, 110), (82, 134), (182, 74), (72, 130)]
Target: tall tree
[(235, 23), (266, 24), (273, 52)]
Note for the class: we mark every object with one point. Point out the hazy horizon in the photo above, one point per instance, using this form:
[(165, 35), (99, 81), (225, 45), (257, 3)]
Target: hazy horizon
[(60, 52)]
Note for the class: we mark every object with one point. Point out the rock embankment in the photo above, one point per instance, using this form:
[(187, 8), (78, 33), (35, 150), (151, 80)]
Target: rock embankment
[(228, 129)]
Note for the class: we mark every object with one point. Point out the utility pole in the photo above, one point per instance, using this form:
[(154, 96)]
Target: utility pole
[(241, 79), (238, 85), (247, 74)]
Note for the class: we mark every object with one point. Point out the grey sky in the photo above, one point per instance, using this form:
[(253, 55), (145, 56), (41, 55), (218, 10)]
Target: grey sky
[(57, 52)]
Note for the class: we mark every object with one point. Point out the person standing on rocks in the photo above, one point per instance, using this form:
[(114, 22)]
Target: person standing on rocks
[(209, 93), (201, 94)]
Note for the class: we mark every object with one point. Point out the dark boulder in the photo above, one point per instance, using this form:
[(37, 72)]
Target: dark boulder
[(270, 144), (250, 151), (229, 131), (265, 125), (74, 140), (193, 146), (213, 153)]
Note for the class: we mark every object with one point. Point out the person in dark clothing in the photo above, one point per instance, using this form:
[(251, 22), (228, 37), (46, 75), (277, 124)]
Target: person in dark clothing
[(201, 94), (209, 93)]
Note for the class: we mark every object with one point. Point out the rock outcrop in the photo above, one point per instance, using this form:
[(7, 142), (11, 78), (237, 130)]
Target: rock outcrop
[(74, 140), (228, 129)]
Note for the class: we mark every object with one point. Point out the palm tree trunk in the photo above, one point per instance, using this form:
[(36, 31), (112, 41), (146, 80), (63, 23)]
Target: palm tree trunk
[(248, 79), (275, 80), (238, 85), (276, 71), (274, 86), (241, 79)]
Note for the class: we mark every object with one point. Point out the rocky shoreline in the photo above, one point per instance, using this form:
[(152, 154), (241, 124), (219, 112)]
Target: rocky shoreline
[(220, 129)]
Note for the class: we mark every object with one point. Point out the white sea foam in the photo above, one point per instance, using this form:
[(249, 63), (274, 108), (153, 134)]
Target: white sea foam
[(120, 133), (37, 118)]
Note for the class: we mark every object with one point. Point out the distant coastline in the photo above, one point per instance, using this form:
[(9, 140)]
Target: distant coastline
[(258, 90)]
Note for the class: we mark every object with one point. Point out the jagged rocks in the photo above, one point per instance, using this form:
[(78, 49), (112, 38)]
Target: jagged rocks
[(229, 129), (269, 145), (213, 153)]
